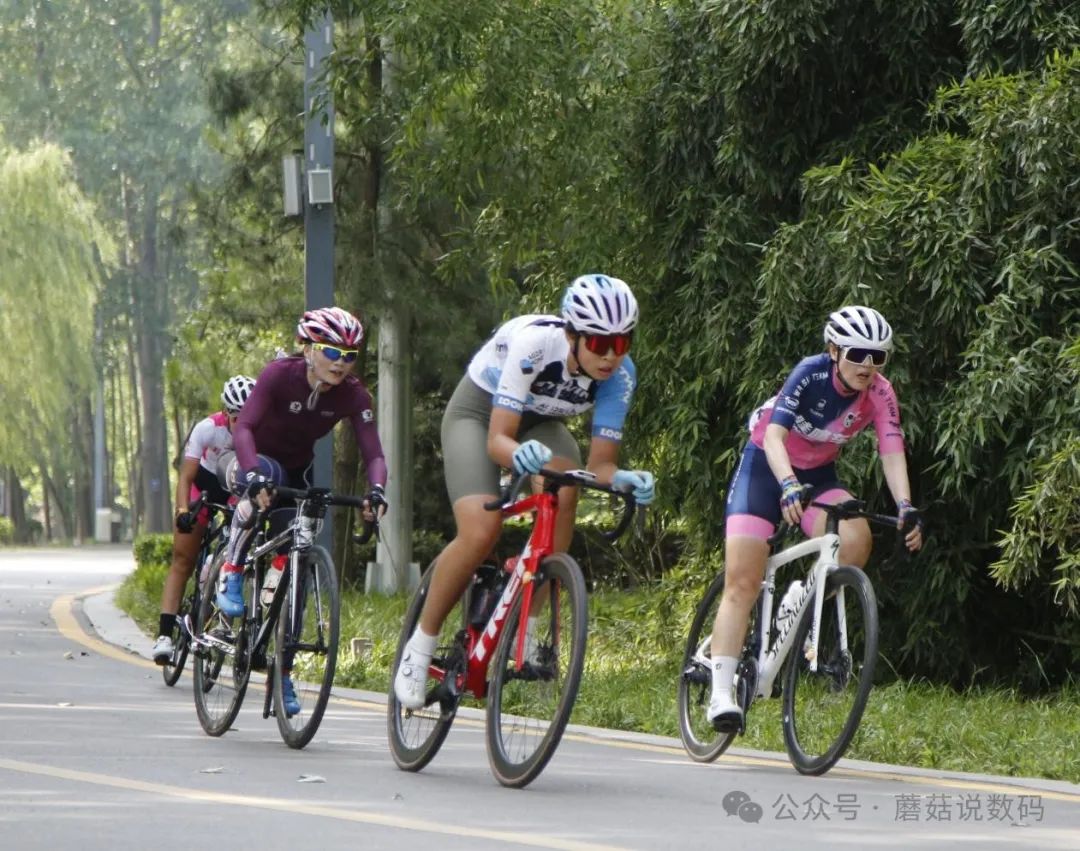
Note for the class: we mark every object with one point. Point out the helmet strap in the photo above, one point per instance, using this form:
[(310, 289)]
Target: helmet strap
[(840, 375), (577, 358)]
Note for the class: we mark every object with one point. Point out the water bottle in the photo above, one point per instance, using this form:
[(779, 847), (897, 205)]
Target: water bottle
[(273, 578), (487, 587), (785, 614)]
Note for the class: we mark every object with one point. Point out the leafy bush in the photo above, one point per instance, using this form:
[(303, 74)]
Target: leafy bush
[(7, 531), (153, 548)]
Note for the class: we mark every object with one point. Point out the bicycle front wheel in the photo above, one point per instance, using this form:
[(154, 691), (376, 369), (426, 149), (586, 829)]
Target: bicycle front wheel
[(823, 708), (417, 734), (306, 650), (222, 665), (172, 669), (528, 707)]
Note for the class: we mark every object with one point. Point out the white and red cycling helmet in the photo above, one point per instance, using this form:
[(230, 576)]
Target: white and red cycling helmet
[(330, 325)]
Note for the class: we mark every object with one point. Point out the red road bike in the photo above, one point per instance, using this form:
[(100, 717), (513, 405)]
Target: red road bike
[(527, 668)]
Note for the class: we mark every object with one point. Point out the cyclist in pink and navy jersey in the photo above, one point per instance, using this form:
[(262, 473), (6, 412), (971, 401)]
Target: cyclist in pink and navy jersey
[(209, 439), (795, 438), (296, 401)]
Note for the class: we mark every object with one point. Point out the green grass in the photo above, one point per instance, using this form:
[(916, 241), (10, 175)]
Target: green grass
[(634, 653)]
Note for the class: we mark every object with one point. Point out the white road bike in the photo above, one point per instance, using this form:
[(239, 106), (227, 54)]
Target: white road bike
[(833, 623)]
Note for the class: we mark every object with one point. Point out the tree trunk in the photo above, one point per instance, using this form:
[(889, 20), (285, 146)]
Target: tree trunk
[(45, 504), (346, 454), (84, 491), (16, 499)]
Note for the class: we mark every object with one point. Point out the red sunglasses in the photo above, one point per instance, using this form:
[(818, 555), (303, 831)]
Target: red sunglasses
[(601, 344)]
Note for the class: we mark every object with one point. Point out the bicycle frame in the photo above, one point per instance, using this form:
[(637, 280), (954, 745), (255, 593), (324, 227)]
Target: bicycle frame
[(217, 528), (771, 656), (481, 643)]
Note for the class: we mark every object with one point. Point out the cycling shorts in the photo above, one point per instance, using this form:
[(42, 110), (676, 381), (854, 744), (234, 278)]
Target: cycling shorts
[(468, 467), (753, 500)]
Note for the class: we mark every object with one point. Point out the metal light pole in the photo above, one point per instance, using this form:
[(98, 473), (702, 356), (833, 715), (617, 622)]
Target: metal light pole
[(319, 209)]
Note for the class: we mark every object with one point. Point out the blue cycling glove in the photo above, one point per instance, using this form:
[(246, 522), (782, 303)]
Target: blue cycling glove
[(791, 492), (530, 457), (639, 482)]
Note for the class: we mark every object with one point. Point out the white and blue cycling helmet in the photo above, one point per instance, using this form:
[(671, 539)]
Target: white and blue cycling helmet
[(600, 304)]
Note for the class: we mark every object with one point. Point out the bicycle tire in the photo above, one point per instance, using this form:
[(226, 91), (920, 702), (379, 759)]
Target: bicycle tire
[(416, 735), (313, 648), (701, 742), (822, 710), (172, 669), (218, 698), (511, 705)]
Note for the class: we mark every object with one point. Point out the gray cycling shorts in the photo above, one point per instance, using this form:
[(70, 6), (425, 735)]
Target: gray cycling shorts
[(469, 470)]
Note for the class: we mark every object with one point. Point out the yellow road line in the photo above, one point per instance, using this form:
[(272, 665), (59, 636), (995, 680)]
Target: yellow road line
[(62, 612), (293, 806), (70, 628)]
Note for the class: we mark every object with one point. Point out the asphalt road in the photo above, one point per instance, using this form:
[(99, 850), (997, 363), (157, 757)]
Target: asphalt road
[(97, 753)]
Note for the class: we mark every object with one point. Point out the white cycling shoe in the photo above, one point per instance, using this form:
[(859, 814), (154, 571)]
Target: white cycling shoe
[(410, 681), (724, 714), (163, 650)]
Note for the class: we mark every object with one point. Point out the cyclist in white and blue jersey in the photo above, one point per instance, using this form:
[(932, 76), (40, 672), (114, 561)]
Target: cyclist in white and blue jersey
[(795, 438), (508, 411)]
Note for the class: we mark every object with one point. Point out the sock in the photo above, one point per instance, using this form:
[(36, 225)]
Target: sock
[(723, 675), (165, 623), (423, 644)]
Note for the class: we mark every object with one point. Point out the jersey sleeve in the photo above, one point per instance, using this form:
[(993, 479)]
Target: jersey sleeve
[(367, 437), (613, 399), (788, 400), (200, 438), (255, 408), (890, 435), (524, 358)]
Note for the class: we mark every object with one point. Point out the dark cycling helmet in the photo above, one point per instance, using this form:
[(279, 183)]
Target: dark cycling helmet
[(330, 325), (236, 392)]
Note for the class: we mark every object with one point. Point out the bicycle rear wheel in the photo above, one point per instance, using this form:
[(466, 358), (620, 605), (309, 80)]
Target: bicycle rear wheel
[(307, 649), (823, 708), (701, 741), (222, 667), (528, 709), (172, 669), (417, 734)]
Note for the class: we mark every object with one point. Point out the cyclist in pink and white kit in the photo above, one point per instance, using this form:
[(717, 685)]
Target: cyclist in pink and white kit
[(210, 438), (795, 438), (296, 401)]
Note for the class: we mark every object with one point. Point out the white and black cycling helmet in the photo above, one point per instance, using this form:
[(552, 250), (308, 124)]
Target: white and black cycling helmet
[(236, 392), (858, 327), (599, 304)]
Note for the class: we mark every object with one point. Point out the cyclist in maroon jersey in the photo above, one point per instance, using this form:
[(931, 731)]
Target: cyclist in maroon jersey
[(296, 401)]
